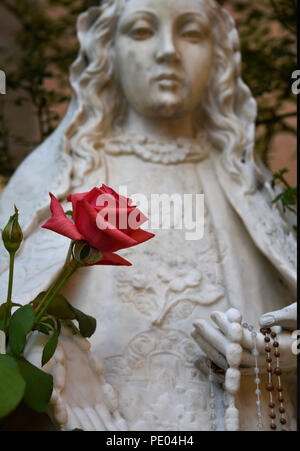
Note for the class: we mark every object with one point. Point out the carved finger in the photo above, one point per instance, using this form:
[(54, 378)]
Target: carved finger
[(234, 315), (211, 335), (48, 367), (232, 329), (59, 412), (60, 355), (210, 351), (59, 376), (106, 417), (82, 418), (248, 341), (95, 419), (221, 320), (286, 317), (286, 340), (72, 420), (54, 397)]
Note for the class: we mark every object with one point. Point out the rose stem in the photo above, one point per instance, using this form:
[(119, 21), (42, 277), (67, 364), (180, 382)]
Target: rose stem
[(60, 286), (67, 261), (9, 289)]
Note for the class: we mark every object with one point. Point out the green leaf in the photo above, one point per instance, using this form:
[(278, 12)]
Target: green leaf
[(49, 322), (2, 309), (43, 329), (59, 307), (12, 385), (20, 325), (50, 346), (288, 200), (277, 198), (39, 386), (87, 324), (38, 299), (46, 325)]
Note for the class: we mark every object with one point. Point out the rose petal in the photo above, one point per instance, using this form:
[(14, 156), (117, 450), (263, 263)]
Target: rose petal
[(112, 259), (118, 217), (123, 201), (59, 223), (138, 217), (105, 239), (92, 196), (74, 198), (105, 200), (140, 236)]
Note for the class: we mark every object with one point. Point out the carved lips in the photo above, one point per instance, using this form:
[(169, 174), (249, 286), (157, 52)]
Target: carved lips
[(102, 218), (168, 80)]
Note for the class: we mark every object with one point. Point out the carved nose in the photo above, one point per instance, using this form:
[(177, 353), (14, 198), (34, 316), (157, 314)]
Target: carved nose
[(167, 51)]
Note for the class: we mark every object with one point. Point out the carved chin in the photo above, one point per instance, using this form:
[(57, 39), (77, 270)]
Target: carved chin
[(169, 109)]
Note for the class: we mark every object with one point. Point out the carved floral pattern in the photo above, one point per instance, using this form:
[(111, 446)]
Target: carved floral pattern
[(168, 290)]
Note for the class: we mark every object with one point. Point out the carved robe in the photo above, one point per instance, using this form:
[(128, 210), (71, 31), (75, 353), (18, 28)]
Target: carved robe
[(145, 313)]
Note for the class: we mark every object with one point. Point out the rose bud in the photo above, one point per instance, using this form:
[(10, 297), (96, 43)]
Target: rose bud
[(12, 234)]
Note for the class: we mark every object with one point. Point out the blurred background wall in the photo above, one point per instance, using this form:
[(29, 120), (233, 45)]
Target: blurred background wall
[(38, 43)]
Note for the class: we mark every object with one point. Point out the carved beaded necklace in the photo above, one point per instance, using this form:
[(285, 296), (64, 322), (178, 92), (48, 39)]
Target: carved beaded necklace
[(163, 151)]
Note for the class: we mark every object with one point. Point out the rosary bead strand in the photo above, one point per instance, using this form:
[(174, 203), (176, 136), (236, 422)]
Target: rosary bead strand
[(269, 386), (278, 373), (212, 401), (257, 381)]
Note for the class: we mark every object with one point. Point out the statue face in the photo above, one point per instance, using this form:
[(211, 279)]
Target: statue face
[(163, 56)]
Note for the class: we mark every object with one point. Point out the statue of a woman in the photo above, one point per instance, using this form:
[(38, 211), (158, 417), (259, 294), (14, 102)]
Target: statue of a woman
[(159, 106)]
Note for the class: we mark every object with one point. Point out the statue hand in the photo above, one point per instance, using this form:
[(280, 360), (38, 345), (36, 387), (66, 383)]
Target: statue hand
[(286, 318), (81, 398), (219, 343)]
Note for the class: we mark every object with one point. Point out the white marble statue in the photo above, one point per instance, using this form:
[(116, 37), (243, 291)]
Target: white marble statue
[(159, 106)]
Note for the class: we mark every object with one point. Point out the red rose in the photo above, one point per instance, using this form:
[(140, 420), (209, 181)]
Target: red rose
[(102, 218)]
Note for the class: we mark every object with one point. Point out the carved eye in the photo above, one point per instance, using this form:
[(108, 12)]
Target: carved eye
[(141, 33), (191, 34)]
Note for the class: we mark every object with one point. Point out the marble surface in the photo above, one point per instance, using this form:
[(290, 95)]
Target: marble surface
[(159, 107)]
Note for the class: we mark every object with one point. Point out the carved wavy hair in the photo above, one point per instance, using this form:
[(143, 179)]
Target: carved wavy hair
[(101, 104)]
